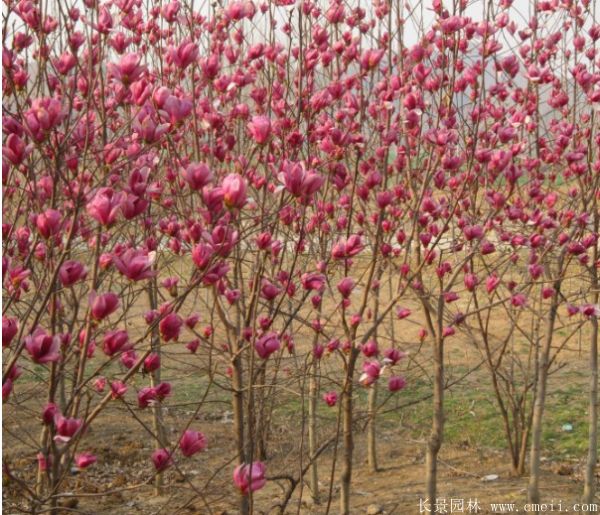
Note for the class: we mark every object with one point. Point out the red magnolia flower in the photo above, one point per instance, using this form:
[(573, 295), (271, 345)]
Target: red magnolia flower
[(10, 327), (298, 181), (115, 341), (118, 389), (345, 286), (84, 460), (267, 345), (48, 223), (330, 398), (260, 129), (249, 478), (71, 272), (396, 383), (135, 264), (152, 362), (197, 175), (170, 327), (370, 349), (371, 371), (192, 442), (6, 389), (234, 190), (66, 428), (392, 356), (42, 347), (161, 458), (128, 69), (104, 206), (313, 281), (103, 305)]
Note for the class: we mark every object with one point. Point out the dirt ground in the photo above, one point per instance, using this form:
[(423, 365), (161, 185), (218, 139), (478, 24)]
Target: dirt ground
[(123, 469)]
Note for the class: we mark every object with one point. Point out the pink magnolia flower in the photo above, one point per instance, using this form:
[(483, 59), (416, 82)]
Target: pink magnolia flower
[(518, 300), (298, 181), (347, 248), (396, 383), (161, 458), (104, 206), (345, 286), (146, 396), (129, 358), (184, 55), (260, 129), (148, 126), (330, 398), (170, 327), (193, 345), (312, 281), (42, 347), (269, 290), (392, 356), (66, 428), (6, 389), (371, 372), (10, 328), (118, 389), (44, 115), (491, 283), (403, 312), (590, 310), (249, 478), (370, 349), (103, 305), (135, 264), (115, 341), (162, 390), (152, 362), (202, 255), (234, 190), (15, 149), (448, 331), (100, 384), (197, 175), (84, 460), (192, 442), (471, 281), (49, 413), (71, 272), (128, 69), (370, 58), (267, 345), (48, 223)]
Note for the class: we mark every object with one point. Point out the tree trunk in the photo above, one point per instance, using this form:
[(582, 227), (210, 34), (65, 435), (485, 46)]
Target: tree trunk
[(372, 429), (238, 418), (312, 432), (589, 488), (348, 437), (157, 414), (538, 408), (437, 426)]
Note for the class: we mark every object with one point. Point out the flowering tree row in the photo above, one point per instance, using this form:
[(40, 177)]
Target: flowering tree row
[(277, 191)]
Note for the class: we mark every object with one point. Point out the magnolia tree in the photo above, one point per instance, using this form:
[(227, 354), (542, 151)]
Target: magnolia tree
[(271, 194)]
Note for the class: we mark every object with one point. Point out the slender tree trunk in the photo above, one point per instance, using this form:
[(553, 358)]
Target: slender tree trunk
[(372, 429), (437, 426), (372, 401), (157, 414), (589, 488), (538, 407), (312, 431), (238, 418), (348, 437)]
